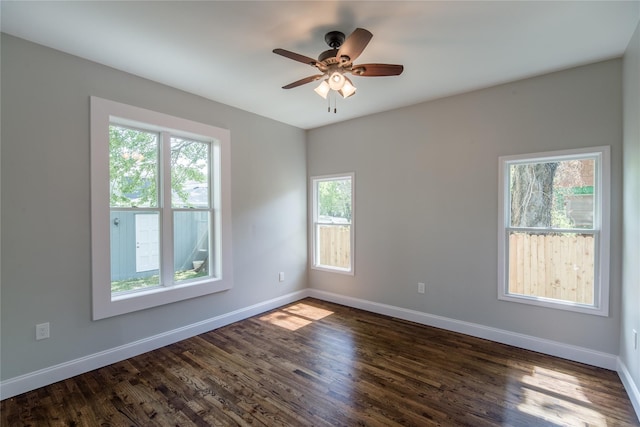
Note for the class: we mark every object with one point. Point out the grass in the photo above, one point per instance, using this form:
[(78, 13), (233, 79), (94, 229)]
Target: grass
[(145, 282)]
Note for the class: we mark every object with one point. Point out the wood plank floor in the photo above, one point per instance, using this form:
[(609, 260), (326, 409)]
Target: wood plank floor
[(313, 363)]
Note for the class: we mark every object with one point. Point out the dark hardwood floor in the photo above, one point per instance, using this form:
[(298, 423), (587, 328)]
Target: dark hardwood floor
[(314, 363)]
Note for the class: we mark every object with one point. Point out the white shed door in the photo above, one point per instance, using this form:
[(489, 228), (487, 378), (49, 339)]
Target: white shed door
[(147, 242)]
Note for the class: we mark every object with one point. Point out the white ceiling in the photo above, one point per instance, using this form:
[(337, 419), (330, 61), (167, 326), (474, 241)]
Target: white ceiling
[(222, 50)]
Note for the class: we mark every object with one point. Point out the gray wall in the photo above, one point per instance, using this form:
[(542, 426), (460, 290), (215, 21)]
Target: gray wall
[(426, 185), (45, 207), (631, 241)]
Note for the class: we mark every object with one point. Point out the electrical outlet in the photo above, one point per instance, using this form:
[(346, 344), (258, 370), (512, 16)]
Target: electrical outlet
[(635, 339), (42, 331), (421, 288), (281, 276)]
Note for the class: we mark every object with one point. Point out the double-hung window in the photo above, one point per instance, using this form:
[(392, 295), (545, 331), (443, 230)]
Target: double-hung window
[(159, 207), (553, 235), (332, 237)]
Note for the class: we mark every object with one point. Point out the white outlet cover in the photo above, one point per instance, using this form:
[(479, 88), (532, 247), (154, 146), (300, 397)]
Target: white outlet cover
[(42, 331)]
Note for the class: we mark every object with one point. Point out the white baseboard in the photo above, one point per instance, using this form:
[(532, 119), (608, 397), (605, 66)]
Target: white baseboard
[(52, 374), (630, 386), (553, 348)]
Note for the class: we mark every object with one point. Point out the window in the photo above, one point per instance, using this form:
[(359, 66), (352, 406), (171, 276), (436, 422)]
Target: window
[(553, 235), (333, 229), (160, 209)]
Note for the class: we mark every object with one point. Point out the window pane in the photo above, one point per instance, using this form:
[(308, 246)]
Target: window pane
[(552, 194), (133, 167), (135, 250), (334, 201), (558, 266), (189, 173), (574, 185), (191, 245), (334, 245)]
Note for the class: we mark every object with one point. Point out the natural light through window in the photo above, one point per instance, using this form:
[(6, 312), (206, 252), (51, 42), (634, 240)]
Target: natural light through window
[(296, 316), (557, 398)]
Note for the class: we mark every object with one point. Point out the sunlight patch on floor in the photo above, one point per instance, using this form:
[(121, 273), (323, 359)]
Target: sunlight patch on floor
[(296, 316), (558, 398)]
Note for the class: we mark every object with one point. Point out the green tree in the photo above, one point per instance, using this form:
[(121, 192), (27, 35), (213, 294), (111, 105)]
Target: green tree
[(335, 198), (189, 166), (134, 167)]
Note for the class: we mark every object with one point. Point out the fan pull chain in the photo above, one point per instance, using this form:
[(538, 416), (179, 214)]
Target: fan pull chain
[(330, 95)]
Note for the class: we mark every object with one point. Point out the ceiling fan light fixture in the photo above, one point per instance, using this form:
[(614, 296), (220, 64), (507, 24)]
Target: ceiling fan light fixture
[(337, 80), (323, 89), (348, 89)]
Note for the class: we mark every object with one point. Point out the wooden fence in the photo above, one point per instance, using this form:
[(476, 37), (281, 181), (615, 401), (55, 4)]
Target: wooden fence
[(554, 266), (334, 242)]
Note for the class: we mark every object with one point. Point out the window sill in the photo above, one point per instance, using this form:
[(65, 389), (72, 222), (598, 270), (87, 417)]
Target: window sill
[(345, 271), (556, 304), (108, 305)]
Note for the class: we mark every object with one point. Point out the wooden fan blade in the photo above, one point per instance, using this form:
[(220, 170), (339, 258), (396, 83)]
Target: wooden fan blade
[(355, 44), (296, 56), (377, 70), (303, 81)]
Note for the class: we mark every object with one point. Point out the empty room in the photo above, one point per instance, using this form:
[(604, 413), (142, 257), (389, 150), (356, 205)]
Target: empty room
[(312, 213)]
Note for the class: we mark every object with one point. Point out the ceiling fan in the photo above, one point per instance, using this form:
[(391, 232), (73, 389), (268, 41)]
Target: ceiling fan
[(334, 63)]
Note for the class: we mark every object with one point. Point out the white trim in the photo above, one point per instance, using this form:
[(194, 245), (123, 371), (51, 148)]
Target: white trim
[(601, 228), (528, 342), (630, 386), (104, 304), (27, 382)]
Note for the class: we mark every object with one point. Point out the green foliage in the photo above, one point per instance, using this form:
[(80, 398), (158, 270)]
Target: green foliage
[(189, 164), (559, 217), (134, 168), (334, 198)]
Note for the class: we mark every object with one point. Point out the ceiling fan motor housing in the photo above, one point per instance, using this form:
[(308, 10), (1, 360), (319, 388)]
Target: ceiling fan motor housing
[(334, 39)]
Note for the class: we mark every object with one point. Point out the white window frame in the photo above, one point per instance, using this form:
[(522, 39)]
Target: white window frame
[(313, 226), (105, 112), (601, 228)]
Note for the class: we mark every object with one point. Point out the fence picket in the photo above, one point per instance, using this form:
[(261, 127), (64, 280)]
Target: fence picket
[(335, 246), (558, 266)]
